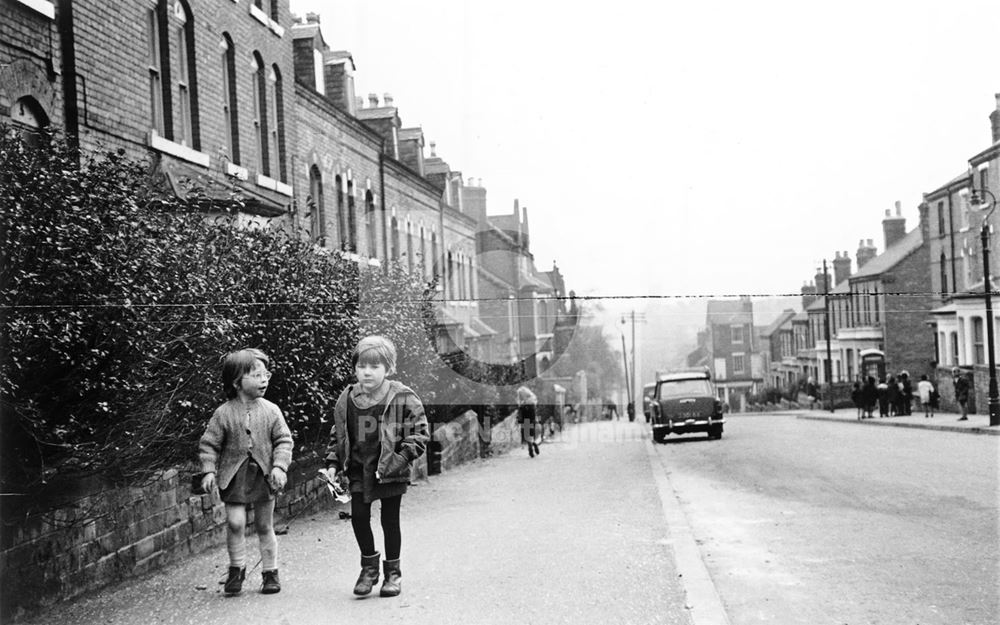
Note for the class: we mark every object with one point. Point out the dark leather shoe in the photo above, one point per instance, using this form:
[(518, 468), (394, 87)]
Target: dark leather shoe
[(234, 583), (271, 583)]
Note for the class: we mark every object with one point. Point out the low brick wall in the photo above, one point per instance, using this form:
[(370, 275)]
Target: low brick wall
[(114, 534)]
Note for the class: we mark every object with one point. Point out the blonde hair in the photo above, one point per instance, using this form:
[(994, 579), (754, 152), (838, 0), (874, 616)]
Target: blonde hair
[(374, 350)]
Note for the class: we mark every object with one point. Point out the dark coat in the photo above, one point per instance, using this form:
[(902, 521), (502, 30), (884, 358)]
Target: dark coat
[(962, 389), (403, 434)]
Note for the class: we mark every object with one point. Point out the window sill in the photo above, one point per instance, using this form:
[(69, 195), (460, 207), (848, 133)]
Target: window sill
[(236, 171), (44, 7), (273, 185), (264, 19), (183, 152)]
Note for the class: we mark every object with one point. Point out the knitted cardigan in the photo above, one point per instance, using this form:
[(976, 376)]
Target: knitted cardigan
[(224, 445)]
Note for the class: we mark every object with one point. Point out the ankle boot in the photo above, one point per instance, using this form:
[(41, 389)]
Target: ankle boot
[(234, 583), (391, 586), (271, 583), (369, 574)]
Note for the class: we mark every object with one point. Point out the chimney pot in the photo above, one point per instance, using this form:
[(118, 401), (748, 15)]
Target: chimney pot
[(373, 100), (387, 99), (312, 18), (433, 146), (898, 207)]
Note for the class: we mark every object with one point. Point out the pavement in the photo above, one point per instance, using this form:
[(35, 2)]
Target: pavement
[(944, 421), (579, 534)]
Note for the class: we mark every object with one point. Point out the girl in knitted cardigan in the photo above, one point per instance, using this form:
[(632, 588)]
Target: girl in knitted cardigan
[(246, 450)]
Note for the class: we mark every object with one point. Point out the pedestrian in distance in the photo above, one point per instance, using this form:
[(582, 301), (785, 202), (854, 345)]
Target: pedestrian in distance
[(245, 451), (906, 394), (869, 393), (812, 392), (962, 385), (858, 398), (379, 430), (892, 395), (527, 418), (883, 398), (924, 391)]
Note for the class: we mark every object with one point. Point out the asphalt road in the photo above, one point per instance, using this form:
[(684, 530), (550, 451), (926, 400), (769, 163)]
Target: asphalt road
[(810, 522)]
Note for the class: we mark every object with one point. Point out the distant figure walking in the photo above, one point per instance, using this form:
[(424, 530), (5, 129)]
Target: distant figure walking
[(870, 394), (883, 399), (892, 395), (906, 394), (924, 391), (812, 392), (527, 418), (961, 392), (859, 401)]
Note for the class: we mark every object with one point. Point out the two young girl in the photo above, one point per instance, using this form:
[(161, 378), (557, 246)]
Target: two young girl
[(379, 430)]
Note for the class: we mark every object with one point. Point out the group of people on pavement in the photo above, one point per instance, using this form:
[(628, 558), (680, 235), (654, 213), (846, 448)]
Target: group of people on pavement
[(894, 396), (379, 430)]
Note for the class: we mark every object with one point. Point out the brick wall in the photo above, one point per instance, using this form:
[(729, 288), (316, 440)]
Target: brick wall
[(111, 535), (112, 46), (338, 146), (29, 46), (909, 342)]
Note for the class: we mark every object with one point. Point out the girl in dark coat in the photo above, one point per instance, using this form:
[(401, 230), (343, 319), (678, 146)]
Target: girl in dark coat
[(379, 430)]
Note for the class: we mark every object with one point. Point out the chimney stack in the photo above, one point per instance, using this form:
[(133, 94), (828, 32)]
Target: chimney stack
[(995, 120), (893, 226), (808, 294), (821, 281), (841, 267), (866, 252)]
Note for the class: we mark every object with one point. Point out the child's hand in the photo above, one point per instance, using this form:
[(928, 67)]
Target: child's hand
[(208, 482), (278, 478)]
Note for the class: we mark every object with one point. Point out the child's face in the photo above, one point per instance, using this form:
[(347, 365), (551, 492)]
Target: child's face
[(253, 384), (370, 375)]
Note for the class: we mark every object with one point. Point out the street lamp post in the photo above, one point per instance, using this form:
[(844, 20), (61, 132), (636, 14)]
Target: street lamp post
[(984, 237)]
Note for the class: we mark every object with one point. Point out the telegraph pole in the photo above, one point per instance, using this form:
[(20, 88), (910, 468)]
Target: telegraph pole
[(828, 368)]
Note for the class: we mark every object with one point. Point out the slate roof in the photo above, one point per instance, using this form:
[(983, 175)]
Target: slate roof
[(892, 256)]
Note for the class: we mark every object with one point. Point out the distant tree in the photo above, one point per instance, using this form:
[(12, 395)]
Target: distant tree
[(591, 350)]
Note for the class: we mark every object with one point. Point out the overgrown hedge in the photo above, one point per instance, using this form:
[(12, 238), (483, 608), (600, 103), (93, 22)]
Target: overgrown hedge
[(117, 302)]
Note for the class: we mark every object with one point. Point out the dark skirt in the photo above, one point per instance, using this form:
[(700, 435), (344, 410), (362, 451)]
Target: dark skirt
[(249, 485)]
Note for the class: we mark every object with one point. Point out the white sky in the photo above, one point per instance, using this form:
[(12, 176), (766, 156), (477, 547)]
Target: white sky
[(695, 148)]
